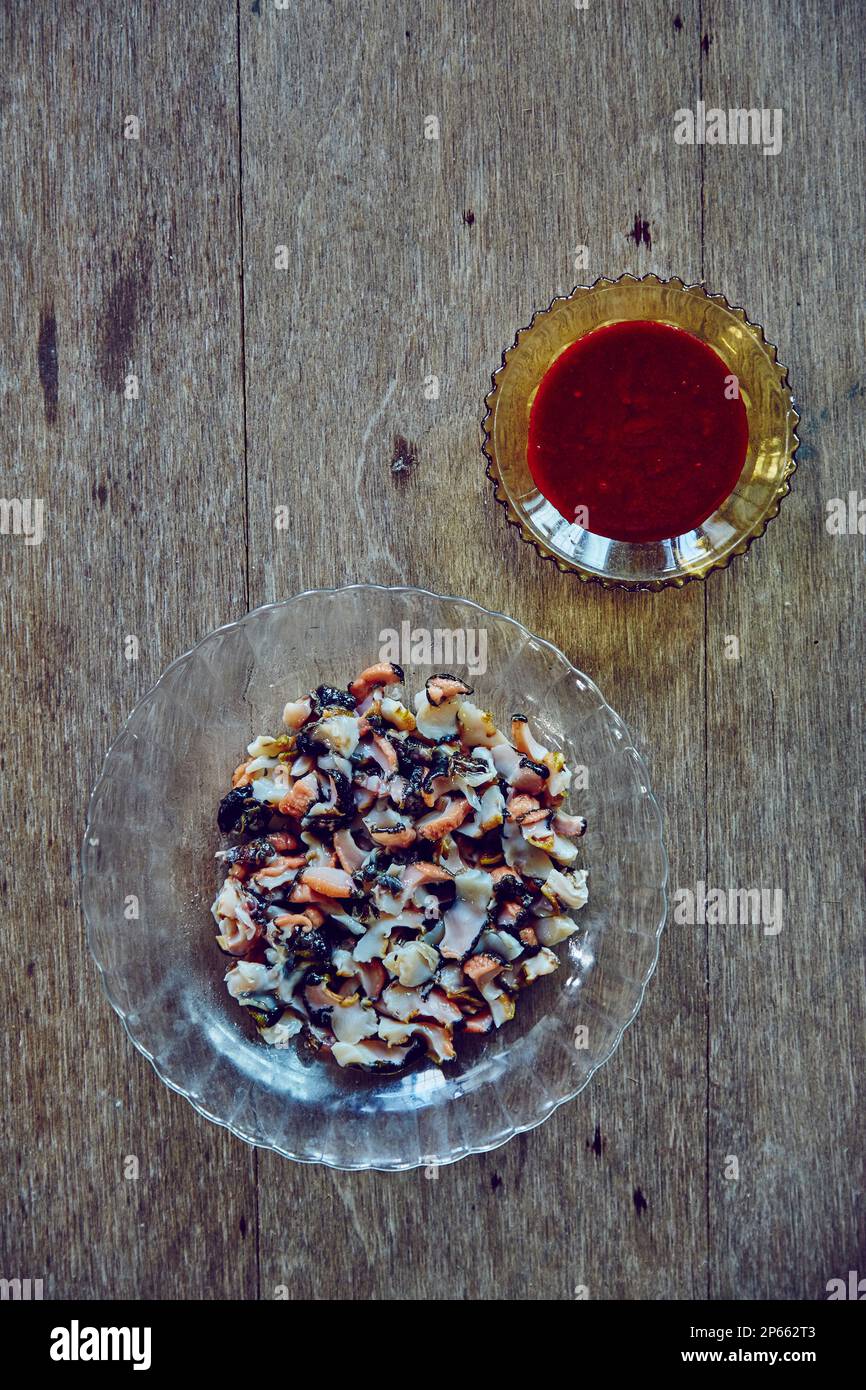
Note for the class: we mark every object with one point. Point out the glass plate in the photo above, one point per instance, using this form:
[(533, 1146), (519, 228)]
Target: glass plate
[(151, 839)]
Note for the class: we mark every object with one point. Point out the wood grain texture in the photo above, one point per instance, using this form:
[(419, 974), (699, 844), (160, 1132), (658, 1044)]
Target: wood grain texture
[(304, 128), (121, 257), (788, 1011)]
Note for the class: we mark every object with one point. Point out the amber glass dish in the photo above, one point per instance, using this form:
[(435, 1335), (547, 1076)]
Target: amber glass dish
[(763, 384)]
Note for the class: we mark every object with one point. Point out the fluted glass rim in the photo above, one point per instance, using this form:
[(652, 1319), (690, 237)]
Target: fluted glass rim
[(517, 516), (626, 750)]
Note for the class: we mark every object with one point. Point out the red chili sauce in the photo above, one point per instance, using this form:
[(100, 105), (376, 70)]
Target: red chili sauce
[(637, 423)]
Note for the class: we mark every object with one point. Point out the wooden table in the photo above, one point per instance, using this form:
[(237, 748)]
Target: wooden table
[(165, 387)]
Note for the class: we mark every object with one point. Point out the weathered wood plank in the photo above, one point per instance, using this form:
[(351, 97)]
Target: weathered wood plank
[(411, 257), (788, 1011), (120, 257)]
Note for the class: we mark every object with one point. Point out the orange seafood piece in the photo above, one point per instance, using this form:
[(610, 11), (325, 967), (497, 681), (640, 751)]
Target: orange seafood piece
[(445, 687), (329, 883), (398, 836), (388, 751), (237, 938), (519, 805), (305, 921), (422, 871), (482, 969), (279, 865), (301, 797), (481, 1022), (382, 673), (433, 828), (283, 841)]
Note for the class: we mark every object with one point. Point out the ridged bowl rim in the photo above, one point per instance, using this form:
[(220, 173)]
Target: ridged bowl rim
[(515, 518)]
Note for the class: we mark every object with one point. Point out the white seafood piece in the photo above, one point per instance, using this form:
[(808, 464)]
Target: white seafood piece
[(344, 962), (559, 781), (353, 1022), (571, 826), (524, 741), (378, 751), (400, 1002), (268, 881), (539, 833), (392, 1030), (437, 1005), (372, 782), (339, 733), (506, 760), (412, 962), (396, 714), (250, 977), (271, 790), (318, 853), (288, 985), (335, 762), (297, 712), (500, 943), (434, 934), (551, 930), (351, 923), (370, 1053), (264, 747), (484, 774), (542, 835), (437, 1039), (436, 721), (465, 919), (230, 902), (477, 727), (451, 979), (286, 1027), (524, 858), (406, 1004), (350, 855), (371, 703), (490, 813), (261, 764), (373, 945), (448, 855), (382, 817), (563, 851), (499, 1001), (544, 962), (568, 889)]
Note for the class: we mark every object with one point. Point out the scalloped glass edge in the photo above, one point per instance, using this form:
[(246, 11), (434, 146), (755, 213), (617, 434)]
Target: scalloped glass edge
[(516, 519), (627, 749)]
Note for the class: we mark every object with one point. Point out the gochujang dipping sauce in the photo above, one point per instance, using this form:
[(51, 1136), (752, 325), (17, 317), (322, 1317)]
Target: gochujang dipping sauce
[(642, 425)]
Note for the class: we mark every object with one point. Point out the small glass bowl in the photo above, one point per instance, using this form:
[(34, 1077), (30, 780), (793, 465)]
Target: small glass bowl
[(151, 839), (763, 386)]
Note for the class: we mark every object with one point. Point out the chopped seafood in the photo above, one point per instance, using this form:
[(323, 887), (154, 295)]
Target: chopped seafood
[(406, 870)]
